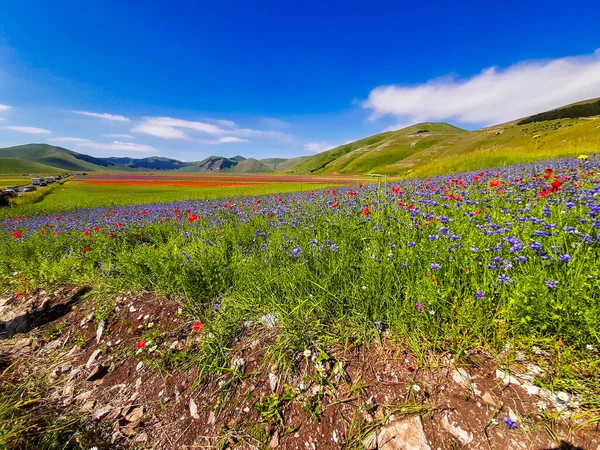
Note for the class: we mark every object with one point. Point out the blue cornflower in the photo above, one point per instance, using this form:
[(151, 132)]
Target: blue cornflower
[(504, 279), (510, 423), (296, 252), (564, 257), (551, 284), (479, 294), (434, 266)]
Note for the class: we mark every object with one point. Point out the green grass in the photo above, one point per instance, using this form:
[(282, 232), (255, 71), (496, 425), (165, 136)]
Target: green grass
[(19, 166), (77, 194)]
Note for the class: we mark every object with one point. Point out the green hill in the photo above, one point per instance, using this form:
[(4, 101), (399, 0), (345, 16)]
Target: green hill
[(433, 148), (250, 165), (375, 153), (58, 157), (22, 166)]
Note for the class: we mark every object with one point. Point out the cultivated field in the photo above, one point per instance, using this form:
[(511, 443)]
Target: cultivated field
[(493, 269)]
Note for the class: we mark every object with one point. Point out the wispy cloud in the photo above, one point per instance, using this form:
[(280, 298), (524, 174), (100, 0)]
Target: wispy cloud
[(4, 107), (114, 145), (119, 135), (170, 128), (28, 130), (273, 122), (493, 96), (105, 116), (230, 139), (173, 128), (318, 147)]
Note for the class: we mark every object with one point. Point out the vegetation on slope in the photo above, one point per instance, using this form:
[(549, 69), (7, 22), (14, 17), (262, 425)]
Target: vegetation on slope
[(577, 110), (19, 166)]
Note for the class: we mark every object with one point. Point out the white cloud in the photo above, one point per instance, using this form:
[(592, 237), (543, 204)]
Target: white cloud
[(119, 135), (229, 139), (28, 130), (173, 128), (4, 107), (273, 122), (169, 128), (493, 96), (104, 116), (2, 118), (318, 147), (114, 145), (224, 123)]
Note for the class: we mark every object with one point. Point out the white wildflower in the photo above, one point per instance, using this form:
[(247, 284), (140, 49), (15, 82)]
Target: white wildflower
[(542, 406), (307, 353), (416, 388), (563, 397)]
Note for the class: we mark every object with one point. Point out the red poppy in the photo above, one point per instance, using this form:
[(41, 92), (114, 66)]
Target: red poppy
[(197, 326), (366, 212), (193, 218), (86, 249), (494, 183), (86, 233), (17, 234), (556, 186), (280, 199), (23, 281), (19, 294), (142, 343), (335, 204)]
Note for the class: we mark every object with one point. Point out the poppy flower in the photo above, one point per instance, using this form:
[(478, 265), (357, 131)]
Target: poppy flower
[(335, 204), (19, 294), (556, 186), (366, 212), (197, 326), (86, 233), (193, 218), (17, 234), (142, 343), (86, 249), (494, 183)]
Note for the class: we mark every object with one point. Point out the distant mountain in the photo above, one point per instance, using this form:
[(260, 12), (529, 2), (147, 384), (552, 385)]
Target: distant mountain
[(250, 165), (151, 163), (210, 164)]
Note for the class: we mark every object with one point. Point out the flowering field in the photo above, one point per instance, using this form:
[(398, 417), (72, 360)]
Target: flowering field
[(477, 257)]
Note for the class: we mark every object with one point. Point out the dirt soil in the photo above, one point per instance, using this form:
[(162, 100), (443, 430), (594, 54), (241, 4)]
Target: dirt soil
[(375, 397)]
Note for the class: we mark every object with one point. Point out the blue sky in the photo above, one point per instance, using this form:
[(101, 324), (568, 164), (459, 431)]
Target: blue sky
[(189, 79)]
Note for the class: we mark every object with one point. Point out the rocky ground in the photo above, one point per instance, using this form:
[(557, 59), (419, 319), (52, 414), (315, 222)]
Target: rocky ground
[(136, 392)]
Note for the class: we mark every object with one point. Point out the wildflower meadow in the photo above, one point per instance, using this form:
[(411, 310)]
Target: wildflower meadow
[(468, 259)]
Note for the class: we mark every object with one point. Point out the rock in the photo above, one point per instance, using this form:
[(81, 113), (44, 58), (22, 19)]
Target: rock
[(98, 372), (212, 419), (92, 358), (112, 416), (489, 399), (463, 436), (370, 442), (273, 380), (84, 396), (138, 383), (194, 409), (141, 438), (102, 412), (405, 434), (99, 331), (239, 364), (462, 377), (86, 319), (274, 440), (135, 414), (270, 320), (531, 389), (507, 378)]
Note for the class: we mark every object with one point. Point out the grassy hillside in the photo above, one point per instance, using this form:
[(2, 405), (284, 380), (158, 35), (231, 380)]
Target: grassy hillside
[(19, 166), (250, 165), (437, 148), (500, 147), (375, 153), (57, 157)]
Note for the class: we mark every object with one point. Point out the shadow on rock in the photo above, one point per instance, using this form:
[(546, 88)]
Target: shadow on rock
[(34, 317)]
